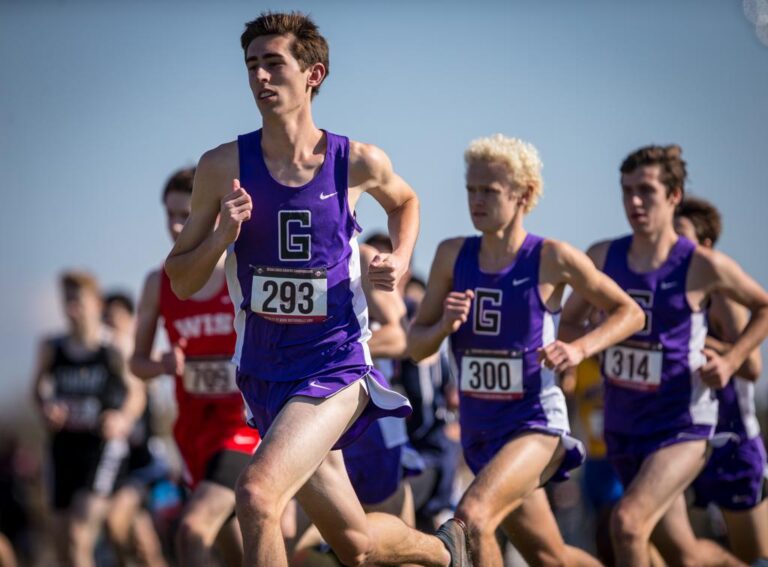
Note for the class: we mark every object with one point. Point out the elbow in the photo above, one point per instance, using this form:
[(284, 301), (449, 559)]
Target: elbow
[(636, 318), (177, 280), (754, 368)]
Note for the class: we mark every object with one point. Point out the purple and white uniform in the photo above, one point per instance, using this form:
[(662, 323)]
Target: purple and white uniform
[(735, 475), (654, 396), (504, 390), (294, 277)]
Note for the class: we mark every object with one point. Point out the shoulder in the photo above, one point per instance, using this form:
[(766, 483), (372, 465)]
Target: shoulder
[(219, 164), (367, 163), (448, 251), (153, 282), (220, 157), (598, 251), (709, 263)]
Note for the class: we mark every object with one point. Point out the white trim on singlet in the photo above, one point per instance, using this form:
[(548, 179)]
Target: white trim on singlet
[(745, 394), (702, 405), (236, 295), (548, 333), (359, 304), (552, 402)]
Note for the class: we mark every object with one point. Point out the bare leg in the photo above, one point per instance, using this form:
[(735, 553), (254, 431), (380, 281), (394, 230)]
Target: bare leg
[(400, 504), (7, 556), (748, 532), (521, 466), (295, 459), (230, 543), (675, 540), (206, 512), (663, 477), (532, 529), (87, 513), (128, 523)]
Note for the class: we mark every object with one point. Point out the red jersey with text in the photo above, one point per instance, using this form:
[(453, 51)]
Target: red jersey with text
[(211, 417)]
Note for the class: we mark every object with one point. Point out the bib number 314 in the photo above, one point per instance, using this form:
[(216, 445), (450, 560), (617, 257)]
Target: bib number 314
[(634, 368), (290, 295)]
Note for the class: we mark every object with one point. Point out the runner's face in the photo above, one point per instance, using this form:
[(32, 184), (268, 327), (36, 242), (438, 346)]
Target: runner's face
[(684, 227), (178, 206), (275, 76), (648, 208), (118, 317), (82, 307), (493, 201)]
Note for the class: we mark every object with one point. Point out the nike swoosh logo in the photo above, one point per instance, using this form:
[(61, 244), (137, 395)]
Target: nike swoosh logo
[(518, 282), (323, 196), (667, 285), (314, 384)]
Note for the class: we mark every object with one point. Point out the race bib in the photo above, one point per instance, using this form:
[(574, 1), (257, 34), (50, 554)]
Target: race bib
[(492, 374), (290, 295), (82, 413), (634, 367), (215, 376)]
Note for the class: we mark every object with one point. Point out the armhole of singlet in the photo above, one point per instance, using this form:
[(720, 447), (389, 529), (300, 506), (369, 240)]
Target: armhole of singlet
[(536, 250), (341, 171)]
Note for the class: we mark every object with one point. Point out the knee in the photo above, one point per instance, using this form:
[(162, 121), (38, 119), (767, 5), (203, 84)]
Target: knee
[(627, 526), (357, 551), (255, 502), (191, 534), (475, 515)]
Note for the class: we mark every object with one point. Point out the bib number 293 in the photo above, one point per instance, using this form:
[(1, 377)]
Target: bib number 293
[(290, 295)]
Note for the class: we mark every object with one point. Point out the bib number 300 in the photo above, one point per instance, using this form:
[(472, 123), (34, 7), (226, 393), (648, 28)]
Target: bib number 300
[(290, 295), (492, 375)]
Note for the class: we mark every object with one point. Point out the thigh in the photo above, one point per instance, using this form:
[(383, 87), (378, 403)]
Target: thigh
[(515, 472), (532, 529), (300, 438), (662, 477)]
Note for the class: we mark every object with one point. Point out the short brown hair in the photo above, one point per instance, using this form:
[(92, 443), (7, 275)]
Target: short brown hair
[(79, 280), (668, 158), (308, 46), (181, 181), (704, 217)]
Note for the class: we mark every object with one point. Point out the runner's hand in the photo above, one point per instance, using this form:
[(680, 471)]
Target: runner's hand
[(55, 415), (456, 308), (173, 361), (385, 271), (717, 371), (559, 356), (235, 209)]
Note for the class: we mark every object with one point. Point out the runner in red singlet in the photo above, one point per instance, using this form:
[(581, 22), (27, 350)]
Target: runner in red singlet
[(210, 430)]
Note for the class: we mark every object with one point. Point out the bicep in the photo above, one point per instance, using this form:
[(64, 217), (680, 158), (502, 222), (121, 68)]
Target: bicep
[(590, 286), (205, 205)]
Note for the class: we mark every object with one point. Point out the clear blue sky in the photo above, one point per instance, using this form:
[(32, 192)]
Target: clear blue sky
[(101, 100)]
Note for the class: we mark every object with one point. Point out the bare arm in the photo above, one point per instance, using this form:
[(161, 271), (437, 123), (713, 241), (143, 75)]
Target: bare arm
[(387, 309), (142, 363), (575, 319), (442, 311), (370, 170), (202, 243), (54, 413), (723, 275), (729, 319), (623, 316)]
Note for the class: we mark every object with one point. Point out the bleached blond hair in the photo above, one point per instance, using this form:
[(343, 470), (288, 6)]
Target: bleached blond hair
[(521, 159)]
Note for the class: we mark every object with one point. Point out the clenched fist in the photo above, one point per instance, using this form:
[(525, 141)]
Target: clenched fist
[(235, 209)]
